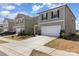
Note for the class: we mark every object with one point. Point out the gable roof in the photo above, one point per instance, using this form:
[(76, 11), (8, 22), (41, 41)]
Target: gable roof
[(51, 9), (19, 15), (8, 19)]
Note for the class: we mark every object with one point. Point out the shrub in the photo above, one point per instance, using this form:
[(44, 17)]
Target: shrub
[(72, 34), (12, 36), (62, 34), (30, 33), (38, 32), (21, 33)]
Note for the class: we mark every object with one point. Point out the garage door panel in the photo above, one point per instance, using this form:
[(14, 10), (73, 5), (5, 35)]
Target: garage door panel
[(51, 30)]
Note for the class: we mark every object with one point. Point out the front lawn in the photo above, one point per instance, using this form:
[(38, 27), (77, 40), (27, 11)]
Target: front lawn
[(15, 37), (1, 41), (63, 44)]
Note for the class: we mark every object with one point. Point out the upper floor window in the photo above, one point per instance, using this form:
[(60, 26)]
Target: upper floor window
[(19, 20), (44, 16), (55, 14)]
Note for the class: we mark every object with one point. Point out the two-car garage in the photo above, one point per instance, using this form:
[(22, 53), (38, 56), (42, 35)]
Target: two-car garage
[(51, 30)]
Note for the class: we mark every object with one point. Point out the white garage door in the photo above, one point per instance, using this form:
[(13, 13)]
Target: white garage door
[(51, 30), (18, 30)]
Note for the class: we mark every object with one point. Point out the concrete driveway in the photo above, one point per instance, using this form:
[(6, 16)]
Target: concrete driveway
[(37, 41), (25, 47)]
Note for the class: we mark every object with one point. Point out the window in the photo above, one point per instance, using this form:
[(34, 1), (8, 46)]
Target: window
[(55, 14), (44, 16)]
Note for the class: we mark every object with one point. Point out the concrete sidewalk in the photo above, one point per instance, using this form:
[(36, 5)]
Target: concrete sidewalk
[(9, 51), (16, 51), (55, 52)]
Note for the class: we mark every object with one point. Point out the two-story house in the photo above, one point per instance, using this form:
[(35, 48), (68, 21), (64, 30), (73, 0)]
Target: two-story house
[(53, 21), (9, 25), (25, 23)]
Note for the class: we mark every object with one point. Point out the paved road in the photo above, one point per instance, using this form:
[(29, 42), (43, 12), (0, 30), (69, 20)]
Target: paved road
[(3, 54)]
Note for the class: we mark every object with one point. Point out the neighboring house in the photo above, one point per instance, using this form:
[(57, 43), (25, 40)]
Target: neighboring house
[(9, 25), (1, 27), (25, 23), (53, 21)]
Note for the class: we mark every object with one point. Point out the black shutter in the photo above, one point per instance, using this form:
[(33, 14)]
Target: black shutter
[(58, 13), (52, 14), (46, 15), (42, 16)]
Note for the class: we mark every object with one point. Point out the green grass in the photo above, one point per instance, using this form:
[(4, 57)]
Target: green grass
[(2, 42)]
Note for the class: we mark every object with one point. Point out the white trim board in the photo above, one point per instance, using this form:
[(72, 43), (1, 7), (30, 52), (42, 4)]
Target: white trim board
[(50, 22)]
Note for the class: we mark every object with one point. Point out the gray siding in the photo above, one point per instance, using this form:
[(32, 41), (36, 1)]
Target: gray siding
[(61, 12), (29, 24), (26, 23), (69, 22)]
